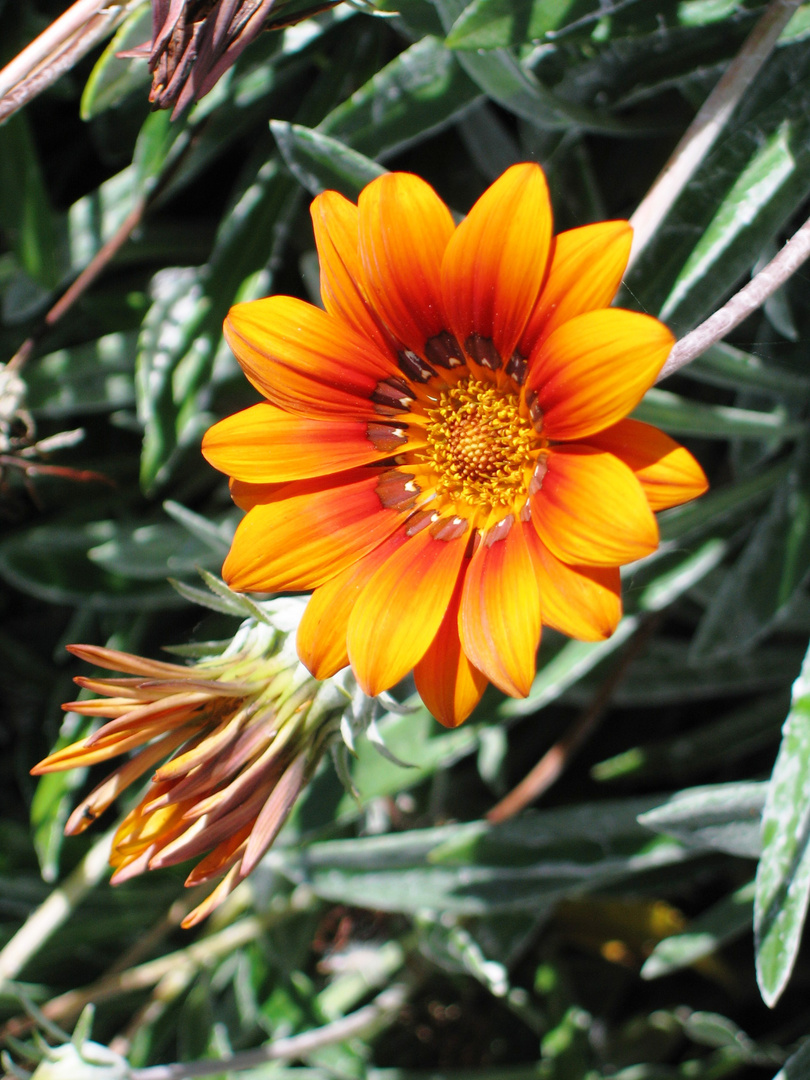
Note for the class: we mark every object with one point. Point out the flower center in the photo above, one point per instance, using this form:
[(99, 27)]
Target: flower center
[(481, 449)]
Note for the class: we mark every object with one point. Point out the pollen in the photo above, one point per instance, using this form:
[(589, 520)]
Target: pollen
[(479, 446)]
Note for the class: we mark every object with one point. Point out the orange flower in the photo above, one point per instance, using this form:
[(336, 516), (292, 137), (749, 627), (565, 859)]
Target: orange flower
[(244, 732), (443, 457)]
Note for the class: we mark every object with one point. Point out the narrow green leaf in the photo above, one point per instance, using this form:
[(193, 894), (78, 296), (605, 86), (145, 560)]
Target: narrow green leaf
[(680, 416), (720, 817), (420, 92), (490, 24), (727, 366), (769, 171), (768, 574), (26, 216), (783, 874), (115, 77), (724, 922), (319, 162)]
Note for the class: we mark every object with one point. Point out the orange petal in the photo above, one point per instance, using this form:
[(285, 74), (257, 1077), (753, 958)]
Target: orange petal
[(667, 471), (304, 359), (592, 510), (447, 682), (264, 444), (586, 270), (404, 229), (584, 602), (321, 639), (308, 532), (246, 496), (499, 618), (337, 238), (496, 262), (594, 369), (400, 610)]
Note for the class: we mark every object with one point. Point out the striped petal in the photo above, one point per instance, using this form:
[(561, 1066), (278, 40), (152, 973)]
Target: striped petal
[(496, 263), (594, 369), (305, 360), (667, 471), (322, 632), (308, 532), (404, 229), (448, 683), (264, 444), (337, 238), (591, 509), (584, 602), (399, 612), (586, 270), (499, 618)]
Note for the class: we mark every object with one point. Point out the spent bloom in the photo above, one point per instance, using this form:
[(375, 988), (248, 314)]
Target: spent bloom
[(443, 456), (194, 43), (238, 735)]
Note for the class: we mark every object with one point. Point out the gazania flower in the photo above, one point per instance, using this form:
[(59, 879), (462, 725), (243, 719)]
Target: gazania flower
[(443, 456), (239, 736)]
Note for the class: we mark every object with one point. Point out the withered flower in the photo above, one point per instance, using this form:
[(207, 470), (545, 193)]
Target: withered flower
[(194, 42), (235, 739)]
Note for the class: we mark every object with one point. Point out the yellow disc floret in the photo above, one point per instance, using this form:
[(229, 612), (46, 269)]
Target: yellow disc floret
[(479, 448)]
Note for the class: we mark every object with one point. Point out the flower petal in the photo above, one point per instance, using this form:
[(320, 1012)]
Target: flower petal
[(264, 444), (592, 510), (499, 618), (667, 471), (404, 229), (586, 270), (448, 683), (399, 612), (321, 639), (496, 262), (307, 532), (584, 602), (594, 369), (305, 360), (337, 238)]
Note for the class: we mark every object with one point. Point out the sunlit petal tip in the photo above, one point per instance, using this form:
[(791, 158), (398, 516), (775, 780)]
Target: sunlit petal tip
[(586, 269), (592, 510), (449, 685), (500, 615), (594, 369), (496, 262), (668, 473), (399, 611), (404, 229)]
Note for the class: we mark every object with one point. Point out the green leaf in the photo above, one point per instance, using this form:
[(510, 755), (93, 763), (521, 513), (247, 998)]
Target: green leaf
[(113, 78), (26, 216), (680, 416), (768, 574), (418, 94), (724, 922), (727, 366), (51, 562), (319, 162), (739, 200), (93, 377), (755, 192), (718, 817), (478, 869), (489, 24), (783, 874)]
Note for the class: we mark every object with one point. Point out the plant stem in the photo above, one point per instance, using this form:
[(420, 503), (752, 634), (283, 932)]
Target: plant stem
[(53, 912), (742, 304), (296, 1046)]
